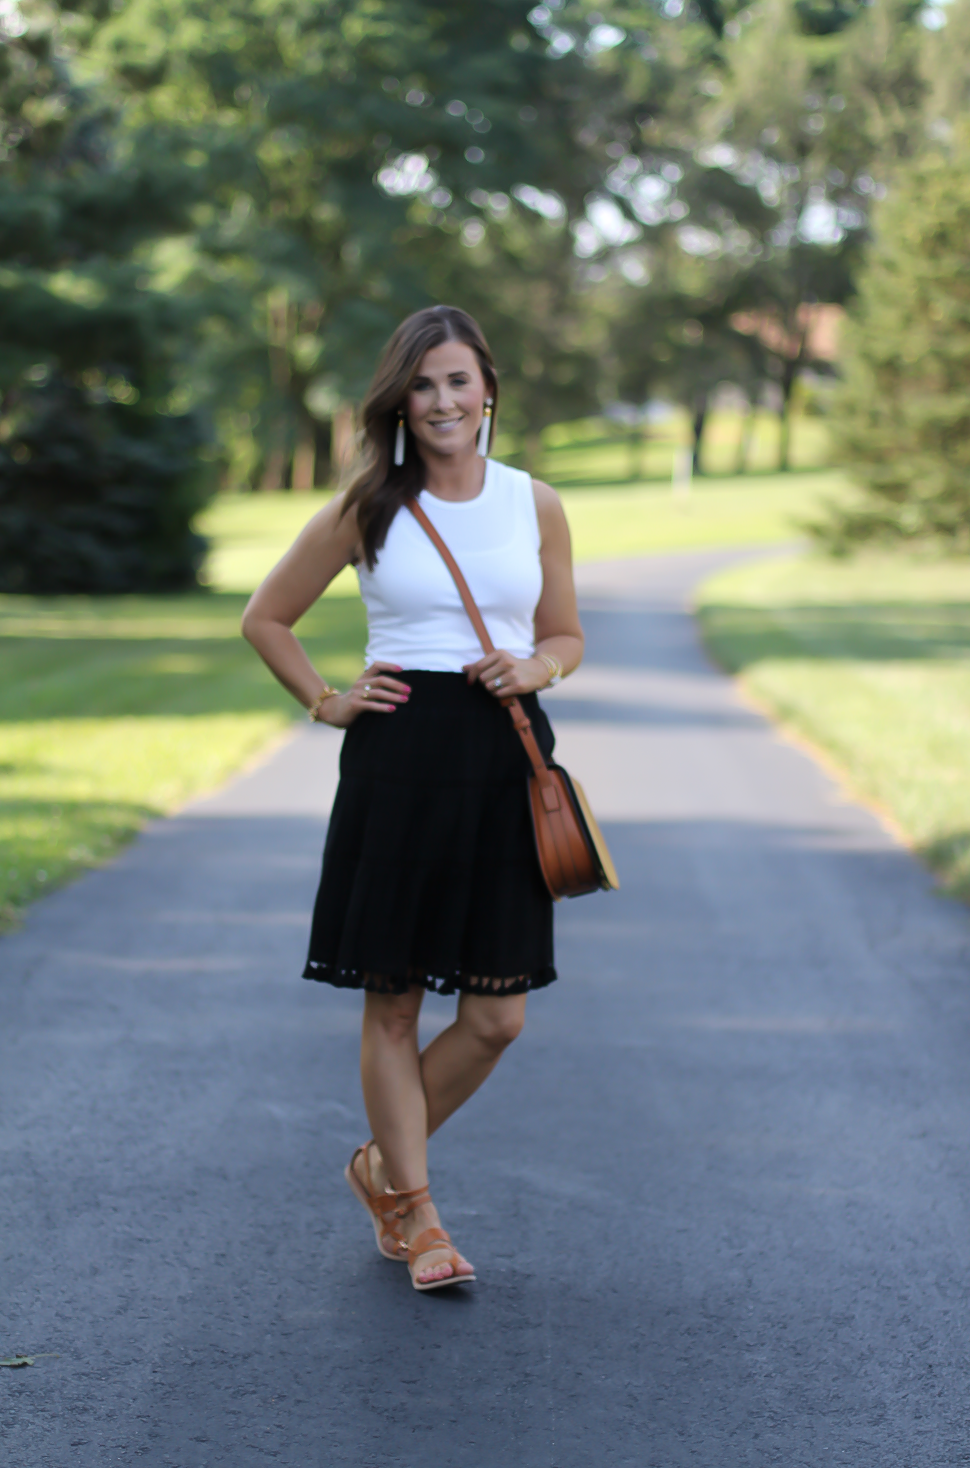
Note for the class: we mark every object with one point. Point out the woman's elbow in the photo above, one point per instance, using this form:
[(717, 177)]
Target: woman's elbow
[(249, 624)]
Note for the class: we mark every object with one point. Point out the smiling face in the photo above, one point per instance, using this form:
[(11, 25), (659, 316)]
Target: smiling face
[(446, 400)]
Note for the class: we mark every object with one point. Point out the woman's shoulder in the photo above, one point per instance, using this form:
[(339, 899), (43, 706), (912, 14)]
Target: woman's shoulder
[(535, 501), (545, 495)]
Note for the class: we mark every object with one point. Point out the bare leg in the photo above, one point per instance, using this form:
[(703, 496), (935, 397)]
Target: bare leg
[(390, 1072), (464, 1055)]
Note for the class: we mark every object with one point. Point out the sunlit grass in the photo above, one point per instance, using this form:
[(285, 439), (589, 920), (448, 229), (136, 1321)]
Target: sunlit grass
[(715, 512), (870, 659), (115, 710), (596, 452)]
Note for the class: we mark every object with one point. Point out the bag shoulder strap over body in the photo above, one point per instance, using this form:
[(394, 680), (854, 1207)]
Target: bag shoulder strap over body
[(523, 726)]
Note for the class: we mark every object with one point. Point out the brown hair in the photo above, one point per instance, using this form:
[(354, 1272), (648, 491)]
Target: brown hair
[(379, 487)]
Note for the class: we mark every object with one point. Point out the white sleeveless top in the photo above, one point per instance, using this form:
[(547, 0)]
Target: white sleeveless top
[(414, 613)]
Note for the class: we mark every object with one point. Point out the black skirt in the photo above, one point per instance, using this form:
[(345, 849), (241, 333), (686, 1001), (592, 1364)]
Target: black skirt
[(430, 874)]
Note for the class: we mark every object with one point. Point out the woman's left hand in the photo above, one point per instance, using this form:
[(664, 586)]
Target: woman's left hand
[(507, 677)]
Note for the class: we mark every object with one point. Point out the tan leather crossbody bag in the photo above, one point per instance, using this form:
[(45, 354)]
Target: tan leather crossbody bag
[(572, 853)]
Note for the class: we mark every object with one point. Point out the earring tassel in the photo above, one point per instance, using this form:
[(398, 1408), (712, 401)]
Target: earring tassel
[(485, 431), (399, 443)]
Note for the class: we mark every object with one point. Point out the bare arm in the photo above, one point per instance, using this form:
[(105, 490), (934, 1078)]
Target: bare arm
[(557, 627), (322, 549)]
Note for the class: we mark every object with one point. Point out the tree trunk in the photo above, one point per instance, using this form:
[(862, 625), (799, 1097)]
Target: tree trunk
[(699, 419), (305, 454), (784, 438), (343, 438), (323, 437), (277, 457), (274, 470), (637, 464), (533, 444), (745, 438), (277, 334)]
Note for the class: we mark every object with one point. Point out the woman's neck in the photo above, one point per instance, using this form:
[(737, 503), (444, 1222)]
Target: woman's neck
[(454, 476)]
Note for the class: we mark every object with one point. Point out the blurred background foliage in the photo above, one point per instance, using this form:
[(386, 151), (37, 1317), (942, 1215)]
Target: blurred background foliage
[(212, 216)]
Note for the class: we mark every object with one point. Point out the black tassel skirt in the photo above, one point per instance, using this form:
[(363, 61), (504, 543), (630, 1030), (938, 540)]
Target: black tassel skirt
[(430, 874)]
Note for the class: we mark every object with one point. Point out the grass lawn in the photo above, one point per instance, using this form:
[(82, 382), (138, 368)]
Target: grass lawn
[(870, 659), (596, 451), (608, 523), (113, 710)]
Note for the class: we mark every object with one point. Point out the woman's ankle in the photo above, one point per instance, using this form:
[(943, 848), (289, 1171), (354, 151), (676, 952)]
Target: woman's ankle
[(409, 1175), (420, 1218)]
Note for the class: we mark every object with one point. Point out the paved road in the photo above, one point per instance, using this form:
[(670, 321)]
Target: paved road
[(717, 1194)]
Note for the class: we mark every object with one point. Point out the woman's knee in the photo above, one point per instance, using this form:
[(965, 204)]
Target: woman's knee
[(394, 1016), (494, 1022)]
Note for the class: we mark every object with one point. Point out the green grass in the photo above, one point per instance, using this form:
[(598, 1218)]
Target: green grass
[(595, 451), (870, 659), (609, 523), (250, 532), (114, 710)]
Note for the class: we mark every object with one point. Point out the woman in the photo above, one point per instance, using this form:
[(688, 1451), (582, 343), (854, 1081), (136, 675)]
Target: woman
[(430, 878)]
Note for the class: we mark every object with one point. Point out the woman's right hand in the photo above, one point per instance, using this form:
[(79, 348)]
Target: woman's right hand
[(375, 692)]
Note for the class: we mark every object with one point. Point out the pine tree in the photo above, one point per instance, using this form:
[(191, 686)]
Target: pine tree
[(903, 418), (100, 472)]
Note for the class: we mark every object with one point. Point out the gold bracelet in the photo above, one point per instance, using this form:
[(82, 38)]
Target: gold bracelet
[(555, 668), (313, 711)]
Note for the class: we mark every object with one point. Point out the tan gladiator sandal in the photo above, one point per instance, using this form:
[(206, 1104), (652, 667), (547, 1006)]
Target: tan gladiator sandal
[(383, 1207), (431, 1241)]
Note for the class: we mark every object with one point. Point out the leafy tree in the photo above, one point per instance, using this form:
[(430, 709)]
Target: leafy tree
[(100, 474), (945, 70), (344, 144), (759, 167), (903, 418), (518, 274), (677, 341)]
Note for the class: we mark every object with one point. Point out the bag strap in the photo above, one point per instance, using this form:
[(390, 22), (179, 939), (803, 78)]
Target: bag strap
[(523, 726)]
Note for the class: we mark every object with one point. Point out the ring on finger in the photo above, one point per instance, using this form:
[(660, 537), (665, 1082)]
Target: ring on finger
[(366, 689), (497, 683)]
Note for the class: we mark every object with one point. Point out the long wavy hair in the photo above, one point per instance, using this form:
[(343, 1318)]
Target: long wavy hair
[(379, 487)]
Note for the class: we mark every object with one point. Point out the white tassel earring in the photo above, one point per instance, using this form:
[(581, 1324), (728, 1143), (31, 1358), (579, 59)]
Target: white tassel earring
[(485, 430), (399, 440)]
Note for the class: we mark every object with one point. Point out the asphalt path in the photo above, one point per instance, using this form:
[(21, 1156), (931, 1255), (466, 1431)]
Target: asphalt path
[(717, 1194)]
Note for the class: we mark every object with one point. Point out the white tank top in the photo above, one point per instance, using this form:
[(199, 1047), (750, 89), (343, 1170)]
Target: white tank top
[(414, 613)]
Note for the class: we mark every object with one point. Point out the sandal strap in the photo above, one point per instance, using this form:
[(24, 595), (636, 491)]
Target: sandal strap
[(374, 1199), (404, 1203), (432, 1241), (432, 1238), (368, 1176), (390, 1229), (384, 1205), (388, 1204)]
